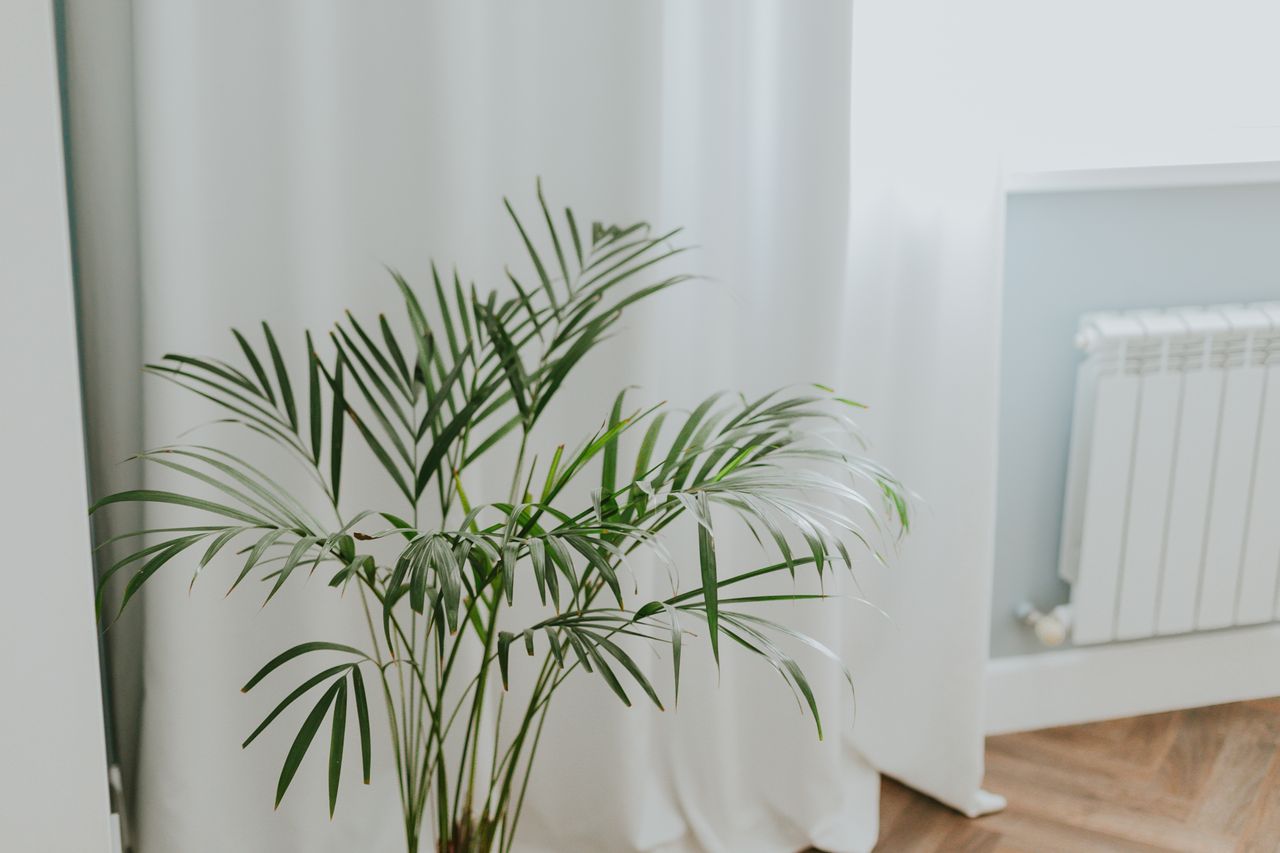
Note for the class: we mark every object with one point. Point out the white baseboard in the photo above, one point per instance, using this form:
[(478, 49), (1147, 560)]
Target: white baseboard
[(1090, 683)]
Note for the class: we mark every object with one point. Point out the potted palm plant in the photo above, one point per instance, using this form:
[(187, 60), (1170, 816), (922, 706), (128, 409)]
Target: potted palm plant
[(470, 374)]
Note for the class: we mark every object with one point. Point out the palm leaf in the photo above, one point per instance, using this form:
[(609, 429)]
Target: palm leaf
[(256, 365), (302, 742)]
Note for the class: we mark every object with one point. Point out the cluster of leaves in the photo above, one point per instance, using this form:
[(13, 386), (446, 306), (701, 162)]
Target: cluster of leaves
[(472, 370)]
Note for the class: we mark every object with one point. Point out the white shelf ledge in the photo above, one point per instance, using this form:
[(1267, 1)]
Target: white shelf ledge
[(1106, 682), (1143, 177)]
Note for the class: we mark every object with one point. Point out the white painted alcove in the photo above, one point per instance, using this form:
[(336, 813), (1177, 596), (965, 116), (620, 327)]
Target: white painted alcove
[(1077, 685)]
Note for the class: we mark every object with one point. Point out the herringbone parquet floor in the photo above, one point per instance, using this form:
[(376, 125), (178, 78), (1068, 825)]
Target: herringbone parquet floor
[(1195, 781)]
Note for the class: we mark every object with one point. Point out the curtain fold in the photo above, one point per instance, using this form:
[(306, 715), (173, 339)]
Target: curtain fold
[(286, 151)]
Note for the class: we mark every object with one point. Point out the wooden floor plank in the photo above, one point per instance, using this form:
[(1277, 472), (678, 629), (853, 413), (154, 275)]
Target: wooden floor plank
[(1011, 770), (970, 839), (1262, 832), (1195, 781), (1039, 833), (922, 826), (1196, 744), (1235, 782)]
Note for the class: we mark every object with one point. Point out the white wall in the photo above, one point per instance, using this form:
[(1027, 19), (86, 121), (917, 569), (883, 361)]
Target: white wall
[(53, 787)]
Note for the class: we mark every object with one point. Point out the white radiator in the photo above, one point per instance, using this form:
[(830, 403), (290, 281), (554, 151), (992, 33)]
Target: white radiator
[(1172, 515)]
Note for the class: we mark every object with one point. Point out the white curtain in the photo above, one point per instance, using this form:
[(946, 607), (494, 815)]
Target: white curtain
[(285, 151)]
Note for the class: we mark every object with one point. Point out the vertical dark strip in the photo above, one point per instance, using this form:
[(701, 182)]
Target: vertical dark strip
[(60, 37)]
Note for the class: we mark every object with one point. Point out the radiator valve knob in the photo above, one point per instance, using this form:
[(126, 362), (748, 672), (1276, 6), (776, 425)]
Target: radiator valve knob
[(1051, 628)]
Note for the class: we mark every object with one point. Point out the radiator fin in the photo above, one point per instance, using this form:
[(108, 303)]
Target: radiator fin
[(1260, 569)]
